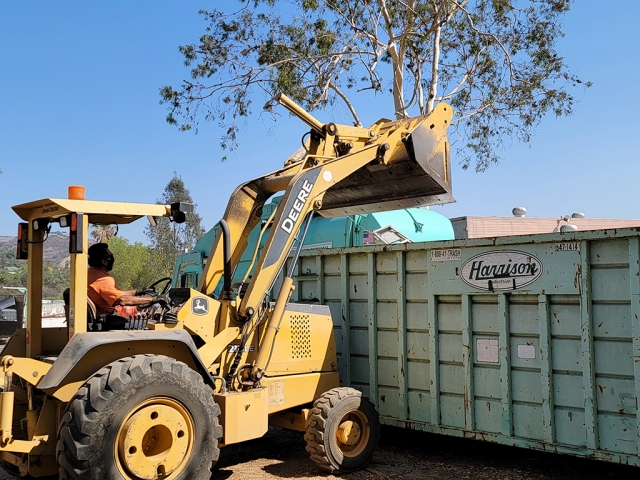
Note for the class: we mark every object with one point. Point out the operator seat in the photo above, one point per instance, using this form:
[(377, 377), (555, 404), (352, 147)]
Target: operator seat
[(103, 322), (112, 322), (92, 311), (65, 298)]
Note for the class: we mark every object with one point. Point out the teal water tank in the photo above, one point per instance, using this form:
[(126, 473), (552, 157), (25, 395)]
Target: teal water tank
[(418, 224)]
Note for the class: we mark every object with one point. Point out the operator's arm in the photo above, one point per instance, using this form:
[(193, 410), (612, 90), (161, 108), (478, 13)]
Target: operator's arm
[(129, 298), (107, 289)]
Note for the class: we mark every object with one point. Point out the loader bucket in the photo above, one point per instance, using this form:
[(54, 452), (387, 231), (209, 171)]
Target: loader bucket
[(417, 174)]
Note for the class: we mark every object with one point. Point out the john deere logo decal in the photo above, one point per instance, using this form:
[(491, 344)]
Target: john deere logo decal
[(200, 306), (505, 270)]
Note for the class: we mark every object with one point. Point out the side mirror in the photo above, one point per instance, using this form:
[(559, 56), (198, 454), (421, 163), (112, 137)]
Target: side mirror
[(41, 224), (76, 233), (179, 217), (179, 211), (22, 250)]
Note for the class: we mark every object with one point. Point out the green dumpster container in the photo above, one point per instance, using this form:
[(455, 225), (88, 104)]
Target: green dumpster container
[(531, 341)]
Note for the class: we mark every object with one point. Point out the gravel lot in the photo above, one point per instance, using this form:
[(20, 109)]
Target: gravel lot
[(411, 455), (408, 455)]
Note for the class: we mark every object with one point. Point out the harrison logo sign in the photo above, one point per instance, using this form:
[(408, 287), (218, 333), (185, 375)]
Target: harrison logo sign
[(504, 270)]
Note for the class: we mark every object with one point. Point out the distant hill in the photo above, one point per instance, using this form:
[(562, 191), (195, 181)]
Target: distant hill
[(56, 247), (8, 242)]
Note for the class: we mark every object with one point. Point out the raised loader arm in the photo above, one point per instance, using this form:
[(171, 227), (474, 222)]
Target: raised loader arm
[(346, 170), (242, 214)]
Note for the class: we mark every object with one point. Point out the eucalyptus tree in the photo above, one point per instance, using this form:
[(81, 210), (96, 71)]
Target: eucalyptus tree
[(169, 239), (495, 61)]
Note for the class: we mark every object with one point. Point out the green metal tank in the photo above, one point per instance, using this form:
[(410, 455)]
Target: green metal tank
[(417, 224), (530, 341)]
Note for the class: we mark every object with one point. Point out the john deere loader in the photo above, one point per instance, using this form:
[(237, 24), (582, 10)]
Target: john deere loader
[(159, 399)]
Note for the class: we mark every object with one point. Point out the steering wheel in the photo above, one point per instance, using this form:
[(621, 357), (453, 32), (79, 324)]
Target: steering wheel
[(152, 291)]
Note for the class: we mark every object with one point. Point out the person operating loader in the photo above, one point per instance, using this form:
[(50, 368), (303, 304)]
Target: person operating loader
[(105, 294)]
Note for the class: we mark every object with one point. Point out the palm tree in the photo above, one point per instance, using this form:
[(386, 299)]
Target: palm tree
[(102, 233)]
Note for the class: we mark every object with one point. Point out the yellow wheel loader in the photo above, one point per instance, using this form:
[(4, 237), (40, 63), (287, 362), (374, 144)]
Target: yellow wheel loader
[(158, 399)]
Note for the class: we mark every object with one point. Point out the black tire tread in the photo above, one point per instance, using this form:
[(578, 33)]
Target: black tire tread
[(74, 447), (317, 424)]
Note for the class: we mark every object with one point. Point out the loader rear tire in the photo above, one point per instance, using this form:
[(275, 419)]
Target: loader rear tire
[(342, 431), (139, 418)]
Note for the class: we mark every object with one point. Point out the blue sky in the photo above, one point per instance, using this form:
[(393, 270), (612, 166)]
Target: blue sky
[(79, 104)]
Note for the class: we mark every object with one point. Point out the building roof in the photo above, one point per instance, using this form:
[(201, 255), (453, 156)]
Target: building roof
[(487, 227)]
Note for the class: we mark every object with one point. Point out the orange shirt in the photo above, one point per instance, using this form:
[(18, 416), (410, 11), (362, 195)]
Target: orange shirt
[(126, 310), (102, 290)]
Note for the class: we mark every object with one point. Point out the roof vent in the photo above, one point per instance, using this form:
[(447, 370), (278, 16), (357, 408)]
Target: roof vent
[(568, 228), (578, 215), (519, 212)]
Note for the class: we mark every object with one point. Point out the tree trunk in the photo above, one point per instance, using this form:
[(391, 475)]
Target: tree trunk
[(398, 83), (433, 85)]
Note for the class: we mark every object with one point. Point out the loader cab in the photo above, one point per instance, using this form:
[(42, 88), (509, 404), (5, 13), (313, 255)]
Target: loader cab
[(73, 215)]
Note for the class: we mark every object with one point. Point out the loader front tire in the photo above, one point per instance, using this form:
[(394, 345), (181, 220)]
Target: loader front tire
[(139, 418), (342, 431)]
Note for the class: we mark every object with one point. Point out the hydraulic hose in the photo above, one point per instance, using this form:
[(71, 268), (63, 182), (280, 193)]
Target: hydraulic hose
[(226, 251)]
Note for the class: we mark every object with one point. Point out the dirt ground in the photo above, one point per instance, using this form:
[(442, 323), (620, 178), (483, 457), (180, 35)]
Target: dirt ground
[(411, 455), (408, 455)]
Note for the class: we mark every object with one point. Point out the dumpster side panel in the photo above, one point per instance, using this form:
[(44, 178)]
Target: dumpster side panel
[(530, 341)]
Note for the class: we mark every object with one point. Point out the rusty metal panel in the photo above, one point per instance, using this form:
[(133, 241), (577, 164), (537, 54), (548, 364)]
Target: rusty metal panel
[(418, 376), (360, 372), (358, 343), (331, 264), (358, 264), (336, 314), (388, 347), (452, 379), (308, 266), (307, 290), (416, 312), (488, 415), (358, 287), (416, 261), (331, 286), (386, 262), (527, 421), (416, 287), (388, 406), (418, 346), (531, 341), (452, 410), (420, 406), (387, 315), (359, 314)]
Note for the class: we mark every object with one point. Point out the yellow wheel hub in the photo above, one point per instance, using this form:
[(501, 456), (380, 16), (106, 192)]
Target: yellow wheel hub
[(353, 434), (349, 433), (155, 441)]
